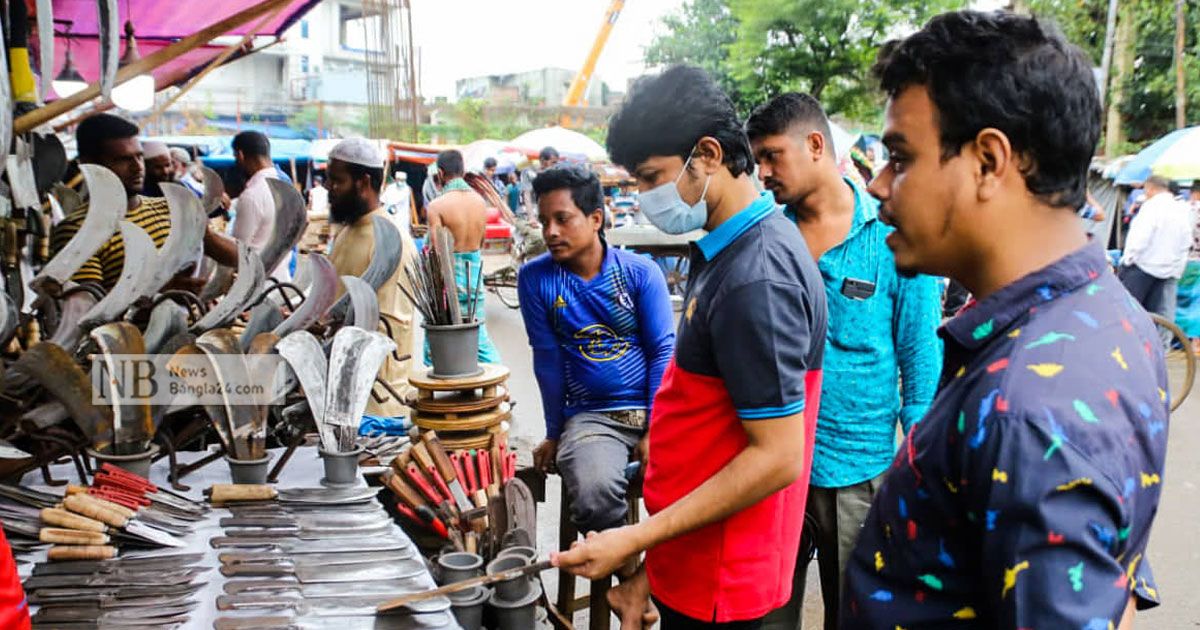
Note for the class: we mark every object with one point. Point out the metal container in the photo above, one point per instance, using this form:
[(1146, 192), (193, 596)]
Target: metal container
[(138, 463), (458, 566), (529, 553), (248, 470), (341, 469), (468, 607), (516, 615), (515, 589), (453, 349)]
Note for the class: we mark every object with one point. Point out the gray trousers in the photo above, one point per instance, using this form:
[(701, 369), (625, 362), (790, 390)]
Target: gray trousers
[(592, 453), (839, 514), (1156, 295)]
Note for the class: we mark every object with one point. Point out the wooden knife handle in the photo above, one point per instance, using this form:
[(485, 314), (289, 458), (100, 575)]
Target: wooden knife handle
[(71, 537), (63, 518), (76, 552), (119, 509), (402, 490), (431, 442), (233, 492), (91, 508), (421, 454), (74, 489)]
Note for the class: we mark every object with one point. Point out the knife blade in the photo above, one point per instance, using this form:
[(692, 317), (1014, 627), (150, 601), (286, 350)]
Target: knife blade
[(446, 469), (302, 533), (107, 602), (310, 521), (104, 579), (234, 557), (332, 606), (317, 574), (328, 545), (72, 594), (227, 493), (120, 617), (378, 587), (430, 621), (278, 510), (146, 564)]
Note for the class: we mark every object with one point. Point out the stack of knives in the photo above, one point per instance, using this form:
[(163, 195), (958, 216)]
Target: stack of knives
[(316, 557), (128, 592)]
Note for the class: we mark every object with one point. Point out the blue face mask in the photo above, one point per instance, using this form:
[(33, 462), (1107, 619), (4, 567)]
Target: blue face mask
[(669, 212)]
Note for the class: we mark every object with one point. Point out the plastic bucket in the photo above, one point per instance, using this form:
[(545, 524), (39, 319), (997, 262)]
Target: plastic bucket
[(248, 470), (458, 566), (341, 469), (453, 349), (137, 463)]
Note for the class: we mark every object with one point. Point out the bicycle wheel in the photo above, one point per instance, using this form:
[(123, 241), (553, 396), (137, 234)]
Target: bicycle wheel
[(1180, 385), (504, 284)]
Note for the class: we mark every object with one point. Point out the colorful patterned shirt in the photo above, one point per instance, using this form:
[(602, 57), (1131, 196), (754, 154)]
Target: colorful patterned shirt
[(1025, 496)]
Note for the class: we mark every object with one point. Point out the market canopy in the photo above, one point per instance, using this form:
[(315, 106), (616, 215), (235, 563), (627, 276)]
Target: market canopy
[(1175, 156), (158, 24), (569, 144)]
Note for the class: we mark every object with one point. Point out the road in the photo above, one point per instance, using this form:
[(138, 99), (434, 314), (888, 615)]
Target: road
[(1174, 552)]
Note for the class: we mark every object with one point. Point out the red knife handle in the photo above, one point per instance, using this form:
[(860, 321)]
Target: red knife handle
[(456, 461), (137, 480), (421, 483), (485, 469), (120, 497), (433, 522), (510, 467), (468, 464), (122, 484), (440, 484)]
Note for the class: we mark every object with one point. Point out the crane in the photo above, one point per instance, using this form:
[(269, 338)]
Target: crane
[(582, 78)]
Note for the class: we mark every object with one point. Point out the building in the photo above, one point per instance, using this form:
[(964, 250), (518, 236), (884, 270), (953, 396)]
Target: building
[(547, 86)]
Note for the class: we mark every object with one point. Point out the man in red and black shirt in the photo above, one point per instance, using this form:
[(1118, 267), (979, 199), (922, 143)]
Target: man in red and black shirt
[(14, 610), (731, 430)]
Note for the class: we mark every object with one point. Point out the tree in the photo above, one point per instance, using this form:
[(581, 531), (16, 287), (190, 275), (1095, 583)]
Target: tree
[(700, 34)]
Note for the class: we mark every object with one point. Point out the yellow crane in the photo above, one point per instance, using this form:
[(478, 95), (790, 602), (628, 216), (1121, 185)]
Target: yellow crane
[(582, 78)]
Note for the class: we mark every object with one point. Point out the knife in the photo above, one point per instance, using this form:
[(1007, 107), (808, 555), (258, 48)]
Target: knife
[(431, 621), (304, 533), (328, 545), (144, 564), (332, 520), (234, 557), (446, 469), (221, 493), (107, 602), (85, 505), (120, 617), (70, 594), (102, 579), (309, 574), (121, 476), (378, 587), (483, 580), (332, 606), (279, 510)]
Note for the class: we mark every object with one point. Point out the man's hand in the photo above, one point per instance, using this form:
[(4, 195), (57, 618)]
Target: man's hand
[(601, 554), (544, 456)]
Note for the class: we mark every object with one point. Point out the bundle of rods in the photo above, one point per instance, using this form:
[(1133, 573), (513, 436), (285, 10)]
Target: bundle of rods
[(435, 289)]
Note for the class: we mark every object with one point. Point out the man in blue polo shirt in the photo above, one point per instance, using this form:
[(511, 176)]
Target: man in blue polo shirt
[(882, 353), (600, 324), (1024, 497), (732, 426)]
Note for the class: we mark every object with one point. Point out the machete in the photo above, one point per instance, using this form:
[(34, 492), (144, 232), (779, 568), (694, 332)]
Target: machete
[(291, 219), (185, 241), (68, 333), (106, 209), (141, 258), (319, 520), (166, 320), (320, 297), (45, 28), (218, 284), (9, 318), (158, 562), (247, 427), (250, 277), (6, 114), (263, 318), (133, 425), (364, 304), (385, 259), (52, 368), (354, 362), (109, 25), (214, 188)]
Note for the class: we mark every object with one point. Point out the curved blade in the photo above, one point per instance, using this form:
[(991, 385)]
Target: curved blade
[(364, 304), (109, 24), (187, 355), (263, 318), (218, 285), (250, 277), (6, 113), (166, 320), (105, 212), (261, 347), (214, 187), (52, 368), (133, 425), (185, 242), (320, 297), (303, 277), (354, 362), (9, 318), (385, 259), (45, 28), (247, 425), (141, 258), (304, 354), (291, 219), (68, 333), (221, 340)]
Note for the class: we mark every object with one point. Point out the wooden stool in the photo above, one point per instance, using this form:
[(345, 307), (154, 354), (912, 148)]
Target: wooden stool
[(599, 612)]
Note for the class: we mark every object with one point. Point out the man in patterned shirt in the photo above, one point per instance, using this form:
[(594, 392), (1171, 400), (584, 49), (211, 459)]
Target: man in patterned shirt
[(1025, 496)]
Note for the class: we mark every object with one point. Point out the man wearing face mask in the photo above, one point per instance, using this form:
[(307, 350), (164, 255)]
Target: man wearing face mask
[(731, 429)]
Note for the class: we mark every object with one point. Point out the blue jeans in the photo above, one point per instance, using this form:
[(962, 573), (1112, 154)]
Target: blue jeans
[(592, 453)]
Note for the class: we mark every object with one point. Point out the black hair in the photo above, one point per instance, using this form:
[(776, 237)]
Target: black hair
[(252, 144), (1013, 73), (547, 153), (94, 131), (358, 170), (669, 113), (581, 181), (780, 114), (450, 163), (489, 162)]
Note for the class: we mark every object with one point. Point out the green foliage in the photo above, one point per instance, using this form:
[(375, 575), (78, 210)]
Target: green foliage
[(700, 34)]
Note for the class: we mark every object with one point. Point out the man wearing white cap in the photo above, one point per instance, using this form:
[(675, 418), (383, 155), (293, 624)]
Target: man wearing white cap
[(354, 178), (160, 167), (183, 171)]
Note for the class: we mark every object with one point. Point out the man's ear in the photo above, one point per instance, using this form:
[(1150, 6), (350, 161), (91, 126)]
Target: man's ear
[(818, 145), (596, 217), (709, 155), (995, 161)]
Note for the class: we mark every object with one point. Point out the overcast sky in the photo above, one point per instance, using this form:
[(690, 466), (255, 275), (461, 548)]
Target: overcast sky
[(464, 38)]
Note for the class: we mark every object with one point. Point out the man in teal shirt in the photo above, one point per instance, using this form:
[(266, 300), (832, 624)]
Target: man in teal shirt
[(882, 353)]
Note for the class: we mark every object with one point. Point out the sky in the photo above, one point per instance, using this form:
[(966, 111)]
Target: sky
[(465, 38)]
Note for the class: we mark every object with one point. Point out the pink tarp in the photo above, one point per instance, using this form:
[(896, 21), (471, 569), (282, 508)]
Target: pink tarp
[(158, 23)]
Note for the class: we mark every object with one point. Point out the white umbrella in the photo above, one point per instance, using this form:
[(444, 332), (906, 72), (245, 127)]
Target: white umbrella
[(505, 154), (565, 141)]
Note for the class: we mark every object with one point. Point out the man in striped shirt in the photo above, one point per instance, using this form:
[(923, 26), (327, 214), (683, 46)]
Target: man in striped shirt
[(111, 141)]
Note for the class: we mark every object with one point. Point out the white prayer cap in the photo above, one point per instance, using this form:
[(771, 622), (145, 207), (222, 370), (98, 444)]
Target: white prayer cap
[(357, 151), (153, 149), (181, 155)]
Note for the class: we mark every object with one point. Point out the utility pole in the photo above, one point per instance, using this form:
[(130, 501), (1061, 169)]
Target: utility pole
[(1180, 94), (1110, 28)]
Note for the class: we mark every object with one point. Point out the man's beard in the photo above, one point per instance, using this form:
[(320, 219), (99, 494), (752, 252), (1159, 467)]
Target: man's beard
[(346, 209)]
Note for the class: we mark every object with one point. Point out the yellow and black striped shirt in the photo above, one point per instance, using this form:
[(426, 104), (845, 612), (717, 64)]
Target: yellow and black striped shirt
[(152, 215)]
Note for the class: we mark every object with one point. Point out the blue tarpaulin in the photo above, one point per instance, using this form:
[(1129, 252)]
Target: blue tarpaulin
[(1138, 169)]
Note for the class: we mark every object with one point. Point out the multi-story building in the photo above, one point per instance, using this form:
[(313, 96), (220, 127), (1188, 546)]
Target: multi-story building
[(546, 86)]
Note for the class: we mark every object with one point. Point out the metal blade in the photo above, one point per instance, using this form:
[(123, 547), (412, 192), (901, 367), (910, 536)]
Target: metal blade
[(109, 24), (6, 117), (8, 451), (328, 545), (330, 496), (385, 259), (152, 534), (206, 379), (70, 594), (141, 258), (218, 284), (133, 425), (354, 362), (318, 558), (329, 520), (159, 578), (291, 219), (153, 563), (346, 604), (185, 242), (112, 603), (166, 320), (68, 333), (303, 353), (214, 187), (396, 587), (106, 208), (317, 533), (21, 176), (432, 621), (522, 510), (119, 616), (45, 28), (359, 572), (250, 277), (9, 318), (320, 297), (364, 303), (263, 318), (52, 368)]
